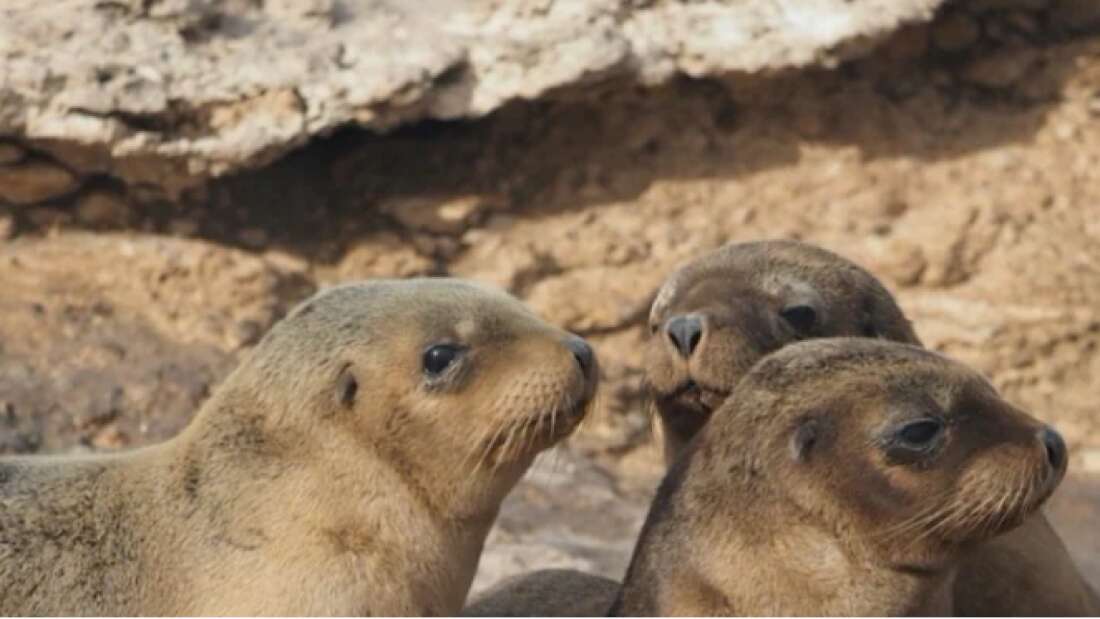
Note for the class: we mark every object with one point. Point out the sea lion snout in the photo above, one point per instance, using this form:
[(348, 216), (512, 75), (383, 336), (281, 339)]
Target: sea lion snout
[(1055, 448), (583, 353), (684, 332)]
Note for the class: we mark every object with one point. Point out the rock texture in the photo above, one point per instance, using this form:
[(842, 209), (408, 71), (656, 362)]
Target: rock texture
[(169, 92), (107, 341), (174, 175)]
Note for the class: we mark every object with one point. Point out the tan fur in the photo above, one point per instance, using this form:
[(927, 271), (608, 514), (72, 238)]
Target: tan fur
[(793, 499), (328, 475), (739, 290)]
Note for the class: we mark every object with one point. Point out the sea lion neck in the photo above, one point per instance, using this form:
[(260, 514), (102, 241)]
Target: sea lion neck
[(750, 561), (666, 575), (369, 504)]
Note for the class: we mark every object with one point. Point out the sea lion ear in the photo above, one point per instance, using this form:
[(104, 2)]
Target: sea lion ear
[(883, 319), (347, 387), (804, 439)]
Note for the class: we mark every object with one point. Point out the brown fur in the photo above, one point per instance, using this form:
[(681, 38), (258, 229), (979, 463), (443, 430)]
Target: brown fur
[(794, 500), (739, 290), (328, 475)]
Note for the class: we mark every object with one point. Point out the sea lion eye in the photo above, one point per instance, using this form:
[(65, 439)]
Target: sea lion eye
[(439, 357), (914, 442), (801, 317), (920, 433)]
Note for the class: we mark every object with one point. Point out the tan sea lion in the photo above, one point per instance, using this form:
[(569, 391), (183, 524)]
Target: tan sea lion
[(351, 465), (843, 476)]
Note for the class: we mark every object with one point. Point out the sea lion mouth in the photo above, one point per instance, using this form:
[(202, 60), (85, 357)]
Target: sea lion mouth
[(687, 408), (691, 396)]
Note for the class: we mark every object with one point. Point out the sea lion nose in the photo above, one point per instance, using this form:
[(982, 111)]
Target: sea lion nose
[(1055, 447), (685, 333), (582, 352)]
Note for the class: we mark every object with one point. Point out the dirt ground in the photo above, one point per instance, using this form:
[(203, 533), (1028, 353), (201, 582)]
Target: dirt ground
[(968, 179)]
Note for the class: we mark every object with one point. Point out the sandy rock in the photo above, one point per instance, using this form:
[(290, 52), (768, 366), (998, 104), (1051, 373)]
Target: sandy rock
[(985, 6), (907, 44), (103, 208), (48, 218), (595, 299), (956, 33), (323, 10), (900, 261), (1075, 15), (7, 225), (1001, 70), (34, 181), (253, 237), (128, 337), (10, 153), (563, 514), (442, 215), (382, 255)]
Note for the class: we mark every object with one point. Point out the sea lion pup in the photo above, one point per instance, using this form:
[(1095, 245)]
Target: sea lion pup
[(711, 320), (843, 476), (718, 315), (351, 465)]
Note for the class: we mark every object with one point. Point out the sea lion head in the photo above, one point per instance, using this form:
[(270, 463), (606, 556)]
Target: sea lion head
[(716, 316), (842, 476), (452, 386), (915, 453)]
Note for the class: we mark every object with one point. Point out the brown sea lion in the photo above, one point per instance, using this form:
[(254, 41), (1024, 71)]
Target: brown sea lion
[(844, 476), (719, 314), (352, 464)]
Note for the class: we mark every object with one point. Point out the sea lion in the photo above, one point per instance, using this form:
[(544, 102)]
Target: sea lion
[(844, 476), (716, 316), (352, 464), (719, 314), (710, 321)]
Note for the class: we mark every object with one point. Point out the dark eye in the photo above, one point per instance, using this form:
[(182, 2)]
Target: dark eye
[(801, 317), (439, 357), (920, 433)]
